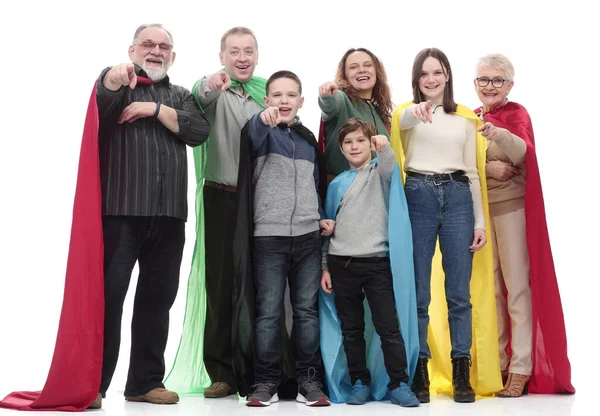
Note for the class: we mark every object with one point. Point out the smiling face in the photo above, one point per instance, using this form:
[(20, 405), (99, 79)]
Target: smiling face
[(433, 80), (239, 57), (154, 60), (492, 97), (361, 73), (356, 147), (284, 93)]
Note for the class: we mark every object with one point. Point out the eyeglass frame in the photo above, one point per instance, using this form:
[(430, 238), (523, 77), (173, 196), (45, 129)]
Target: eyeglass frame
[(165, 47), (492, 80)]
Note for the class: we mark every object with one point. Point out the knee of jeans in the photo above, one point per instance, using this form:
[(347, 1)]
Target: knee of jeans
[(388, 332), (306, 301), (308, 312), (353, 334), (356, 328), (268, 309), (423, 300), (458, 304)]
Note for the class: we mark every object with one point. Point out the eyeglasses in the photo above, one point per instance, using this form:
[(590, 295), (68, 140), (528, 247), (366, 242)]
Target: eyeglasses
[(151, 45), (496, 82)]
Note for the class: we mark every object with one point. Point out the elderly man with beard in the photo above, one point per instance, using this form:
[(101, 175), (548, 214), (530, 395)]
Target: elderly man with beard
[(145, 124)]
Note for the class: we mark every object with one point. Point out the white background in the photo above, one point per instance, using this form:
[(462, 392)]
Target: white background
[(53, 50)]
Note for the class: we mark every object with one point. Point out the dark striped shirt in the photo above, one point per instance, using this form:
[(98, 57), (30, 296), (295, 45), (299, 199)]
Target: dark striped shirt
[(143, 164)]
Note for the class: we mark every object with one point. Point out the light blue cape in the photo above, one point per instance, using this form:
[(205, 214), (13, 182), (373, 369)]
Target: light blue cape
[(401, 259)]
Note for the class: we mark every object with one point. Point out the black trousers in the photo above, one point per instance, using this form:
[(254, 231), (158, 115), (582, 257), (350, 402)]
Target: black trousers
[(157, 244), (352, 278), (219, 226)]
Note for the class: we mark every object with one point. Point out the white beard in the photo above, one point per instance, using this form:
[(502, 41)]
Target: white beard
[(154, 73)]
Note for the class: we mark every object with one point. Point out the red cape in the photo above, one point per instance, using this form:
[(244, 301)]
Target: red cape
[(76, 370), (321, 138), (551, 368)]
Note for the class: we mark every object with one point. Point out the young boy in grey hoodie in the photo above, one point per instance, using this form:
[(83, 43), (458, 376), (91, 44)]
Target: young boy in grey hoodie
[(288, 217)]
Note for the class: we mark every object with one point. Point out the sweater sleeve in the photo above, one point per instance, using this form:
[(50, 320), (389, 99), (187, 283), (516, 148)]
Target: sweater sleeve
[(470, 159), (324, 256), (513, 146), (330, 106), (407, 120), (386, 162)]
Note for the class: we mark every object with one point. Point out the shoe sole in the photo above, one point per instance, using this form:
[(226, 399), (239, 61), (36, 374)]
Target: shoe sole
[(258, 403), (423, 398), (464, 399), (210, 395), (216, 396), (415, 403), (153, 401), (321, 402)]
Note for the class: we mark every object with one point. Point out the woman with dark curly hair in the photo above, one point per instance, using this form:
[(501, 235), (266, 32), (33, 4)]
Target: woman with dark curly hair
[(360, 90)]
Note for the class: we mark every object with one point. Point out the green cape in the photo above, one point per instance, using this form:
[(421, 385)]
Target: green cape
[(188, 374)]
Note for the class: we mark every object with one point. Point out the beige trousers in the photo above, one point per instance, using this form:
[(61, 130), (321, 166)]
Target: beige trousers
[(511, 271)]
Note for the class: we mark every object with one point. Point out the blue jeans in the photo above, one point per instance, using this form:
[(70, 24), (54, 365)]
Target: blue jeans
[(298, 258), (444, 209)]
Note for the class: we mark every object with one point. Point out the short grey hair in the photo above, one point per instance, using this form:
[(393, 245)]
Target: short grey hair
[(146, 26), (499, 62)]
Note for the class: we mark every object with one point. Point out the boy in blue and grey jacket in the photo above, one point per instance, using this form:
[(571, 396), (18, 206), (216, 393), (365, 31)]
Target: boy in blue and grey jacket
[(287, 217)]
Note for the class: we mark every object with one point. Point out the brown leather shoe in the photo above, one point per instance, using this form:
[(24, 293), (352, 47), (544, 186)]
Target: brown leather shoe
[(218, 389), (156, 396), (97, 403)]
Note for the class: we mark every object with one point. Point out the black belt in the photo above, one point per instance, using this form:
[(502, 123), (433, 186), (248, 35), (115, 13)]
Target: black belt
[(459, 176), (226, 188), (348, 259)]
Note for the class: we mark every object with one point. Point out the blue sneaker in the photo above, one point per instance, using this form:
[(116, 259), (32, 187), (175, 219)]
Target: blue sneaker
[(359, 393), (404, 396)]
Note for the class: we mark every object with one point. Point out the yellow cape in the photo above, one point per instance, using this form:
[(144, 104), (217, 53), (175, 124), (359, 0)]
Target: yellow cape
[(485, 372)]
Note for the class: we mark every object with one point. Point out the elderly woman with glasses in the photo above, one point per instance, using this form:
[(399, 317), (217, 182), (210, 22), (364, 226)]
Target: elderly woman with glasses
[(531, 329)]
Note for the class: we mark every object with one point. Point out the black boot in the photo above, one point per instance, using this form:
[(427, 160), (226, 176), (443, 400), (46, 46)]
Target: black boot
[(463, 392), (420, 384)]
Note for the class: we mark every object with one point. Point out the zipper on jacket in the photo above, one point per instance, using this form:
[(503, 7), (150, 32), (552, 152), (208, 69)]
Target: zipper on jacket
[(295, 179)]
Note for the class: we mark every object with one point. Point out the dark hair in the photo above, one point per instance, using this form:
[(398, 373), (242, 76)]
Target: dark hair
[(238, 30), (382, 97), (449, 103), (353, 124), (283, 74)]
